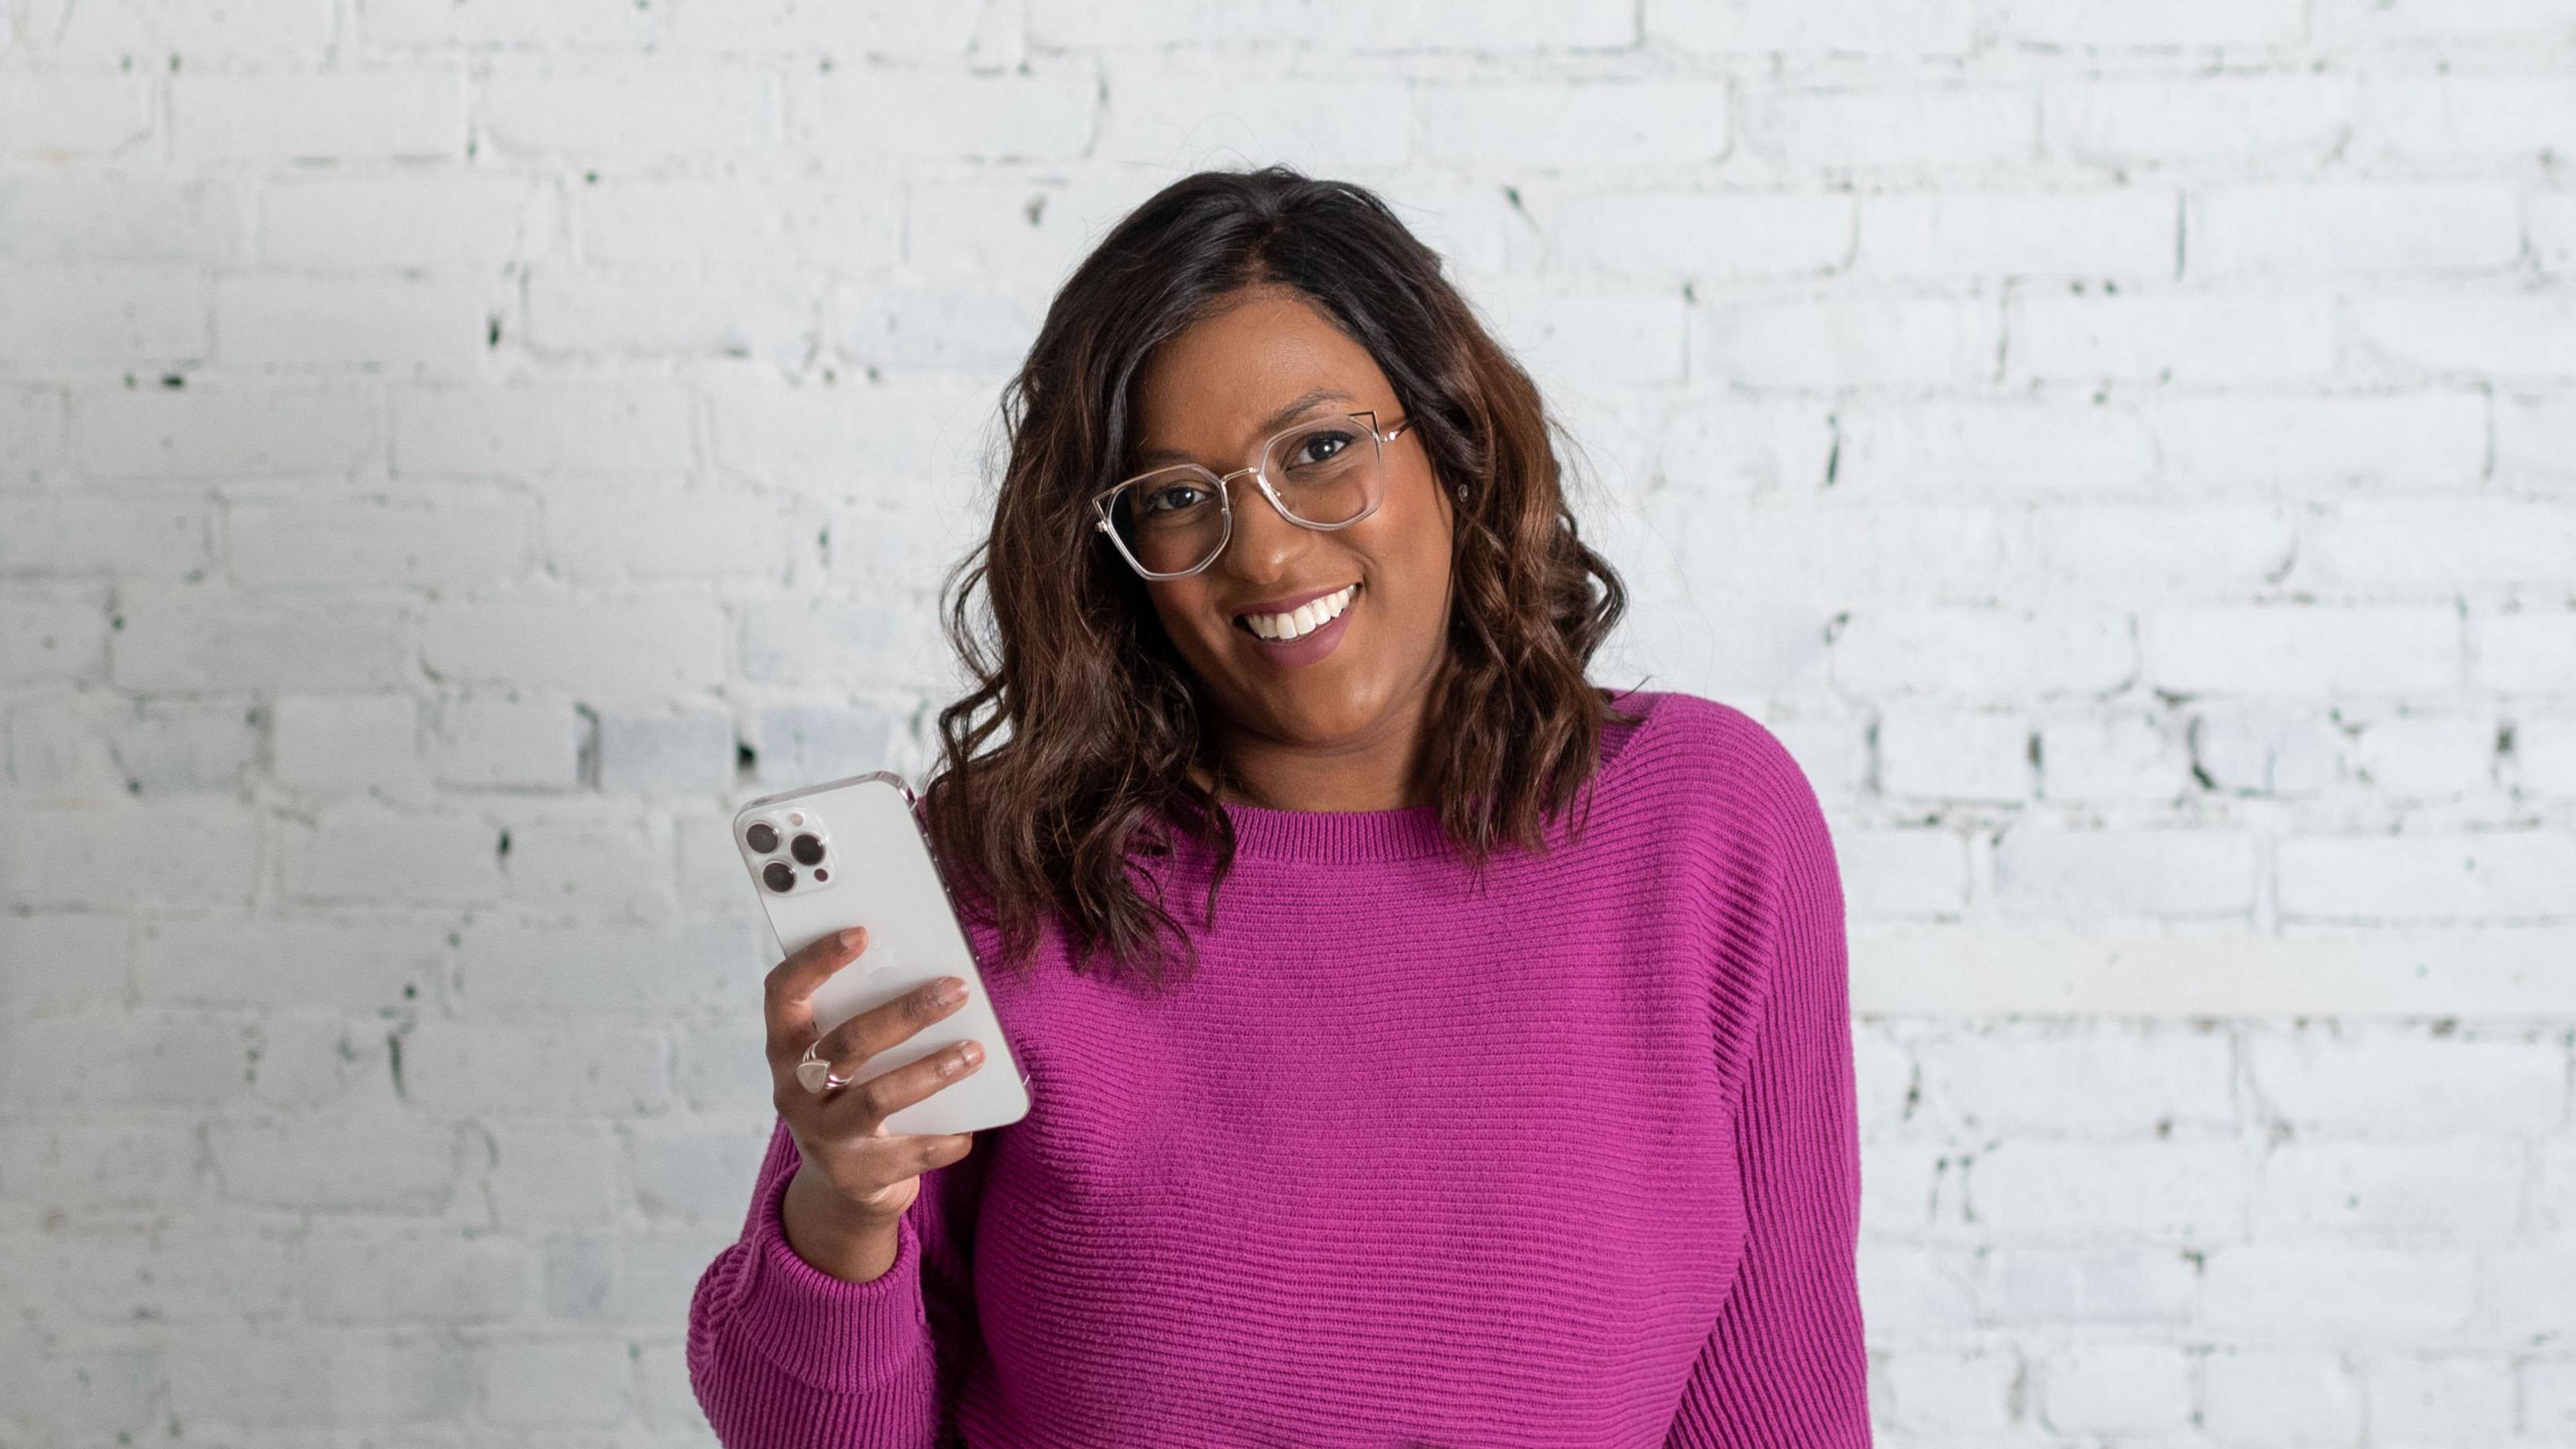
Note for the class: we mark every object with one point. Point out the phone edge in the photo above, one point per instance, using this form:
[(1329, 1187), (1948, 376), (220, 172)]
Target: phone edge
[(889, 776)]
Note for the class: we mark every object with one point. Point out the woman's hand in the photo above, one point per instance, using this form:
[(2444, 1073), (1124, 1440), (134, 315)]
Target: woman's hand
[(842, 1209)]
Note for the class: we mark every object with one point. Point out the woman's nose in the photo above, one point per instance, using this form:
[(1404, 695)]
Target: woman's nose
[(1262, 534)]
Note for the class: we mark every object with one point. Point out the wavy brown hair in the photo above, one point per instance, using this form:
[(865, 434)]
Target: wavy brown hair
[(1060, 819)]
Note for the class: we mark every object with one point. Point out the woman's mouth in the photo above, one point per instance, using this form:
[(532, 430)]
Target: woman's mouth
[(1304, 634)]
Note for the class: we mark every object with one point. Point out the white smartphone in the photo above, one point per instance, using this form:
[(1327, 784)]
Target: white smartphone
[(852, 853)]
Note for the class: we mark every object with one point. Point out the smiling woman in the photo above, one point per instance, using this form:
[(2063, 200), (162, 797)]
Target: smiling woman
[(1233, 338), (1251, 624), (1471, 1117)]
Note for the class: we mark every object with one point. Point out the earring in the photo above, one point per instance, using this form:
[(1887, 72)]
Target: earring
[(1462, 492)]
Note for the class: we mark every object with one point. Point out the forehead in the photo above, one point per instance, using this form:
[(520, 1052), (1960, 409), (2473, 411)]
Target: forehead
[(1210, 391)]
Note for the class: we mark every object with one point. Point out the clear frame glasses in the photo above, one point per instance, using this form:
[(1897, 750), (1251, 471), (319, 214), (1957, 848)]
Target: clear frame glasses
[(1173, 521)]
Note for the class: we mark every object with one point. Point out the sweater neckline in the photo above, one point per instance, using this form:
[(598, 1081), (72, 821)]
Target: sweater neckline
[(1407, 832)]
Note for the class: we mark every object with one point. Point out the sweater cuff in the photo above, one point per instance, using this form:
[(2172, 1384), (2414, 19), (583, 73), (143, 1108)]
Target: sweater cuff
[(824, 1331)]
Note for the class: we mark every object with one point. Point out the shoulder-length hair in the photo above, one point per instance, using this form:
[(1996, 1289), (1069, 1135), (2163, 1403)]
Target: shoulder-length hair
[(1104, 719)]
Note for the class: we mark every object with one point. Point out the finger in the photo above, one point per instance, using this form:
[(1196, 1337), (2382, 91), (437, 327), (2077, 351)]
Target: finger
[(861, 1108), (890, 1024), (941, 1149), (889, 1162), (789, 988), (907, 1155)]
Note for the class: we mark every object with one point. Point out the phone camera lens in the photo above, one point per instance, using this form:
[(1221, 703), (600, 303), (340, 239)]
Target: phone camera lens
[(761, 837), (778, 876), (807, 849)]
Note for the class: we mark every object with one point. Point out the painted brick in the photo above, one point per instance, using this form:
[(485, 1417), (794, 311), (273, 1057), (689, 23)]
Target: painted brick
[(218, 120), (451, 454)]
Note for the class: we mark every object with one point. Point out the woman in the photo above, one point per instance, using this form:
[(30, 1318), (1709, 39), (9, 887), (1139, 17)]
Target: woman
[(1427, 1047)]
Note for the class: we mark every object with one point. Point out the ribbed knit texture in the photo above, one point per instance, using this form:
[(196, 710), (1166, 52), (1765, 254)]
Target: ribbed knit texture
[(1567, 1161)]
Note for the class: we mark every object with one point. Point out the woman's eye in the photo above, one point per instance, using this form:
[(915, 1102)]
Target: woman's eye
[(1165, 500), (1321, 448)]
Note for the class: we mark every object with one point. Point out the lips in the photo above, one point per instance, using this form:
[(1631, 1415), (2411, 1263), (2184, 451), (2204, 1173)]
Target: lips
[(1308, 648), (1284, 604)]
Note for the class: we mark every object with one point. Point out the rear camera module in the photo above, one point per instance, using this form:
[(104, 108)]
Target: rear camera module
[(807, 849), (778, 876), (761, 837)]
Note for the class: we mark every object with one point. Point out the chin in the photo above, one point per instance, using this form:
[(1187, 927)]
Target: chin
[(1317, 710)]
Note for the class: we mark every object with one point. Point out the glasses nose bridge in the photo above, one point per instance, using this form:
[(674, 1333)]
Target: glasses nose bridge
[(1225, 485)]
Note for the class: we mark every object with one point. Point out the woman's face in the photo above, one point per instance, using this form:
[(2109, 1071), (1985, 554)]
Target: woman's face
[(1215, 393)]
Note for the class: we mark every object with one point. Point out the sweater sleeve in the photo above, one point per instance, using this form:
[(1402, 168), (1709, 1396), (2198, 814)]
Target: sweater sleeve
[(783, 1355), (1785, 1364)]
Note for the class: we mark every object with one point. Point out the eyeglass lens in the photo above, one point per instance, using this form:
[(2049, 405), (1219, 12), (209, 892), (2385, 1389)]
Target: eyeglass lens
[(1327, 473)]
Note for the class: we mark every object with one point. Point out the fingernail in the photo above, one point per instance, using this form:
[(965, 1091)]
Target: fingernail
[(850, 935), (949, 992)]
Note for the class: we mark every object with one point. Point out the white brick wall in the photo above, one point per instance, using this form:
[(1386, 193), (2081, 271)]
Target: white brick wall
[(450, 452)]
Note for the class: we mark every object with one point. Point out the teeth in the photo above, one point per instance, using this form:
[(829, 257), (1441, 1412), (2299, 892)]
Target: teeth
[(1304, 619)]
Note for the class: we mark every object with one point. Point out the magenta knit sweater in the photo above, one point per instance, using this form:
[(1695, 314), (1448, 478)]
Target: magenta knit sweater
[(1568, 1162)]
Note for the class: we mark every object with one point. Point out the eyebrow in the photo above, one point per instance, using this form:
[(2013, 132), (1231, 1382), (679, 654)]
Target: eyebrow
[(1303, 403)]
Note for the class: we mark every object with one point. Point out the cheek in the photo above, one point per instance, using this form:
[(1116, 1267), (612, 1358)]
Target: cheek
[(1414, 562), (1183, 607), (1427, 584)]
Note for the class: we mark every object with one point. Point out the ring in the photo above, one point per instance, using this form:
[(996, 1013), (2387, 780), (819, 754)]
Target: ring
[(815, 1072)]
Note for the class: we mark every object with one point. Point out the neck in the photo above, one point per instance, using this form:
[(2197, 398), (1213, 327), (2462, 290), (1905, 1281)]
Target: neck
[(1382, 769)]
